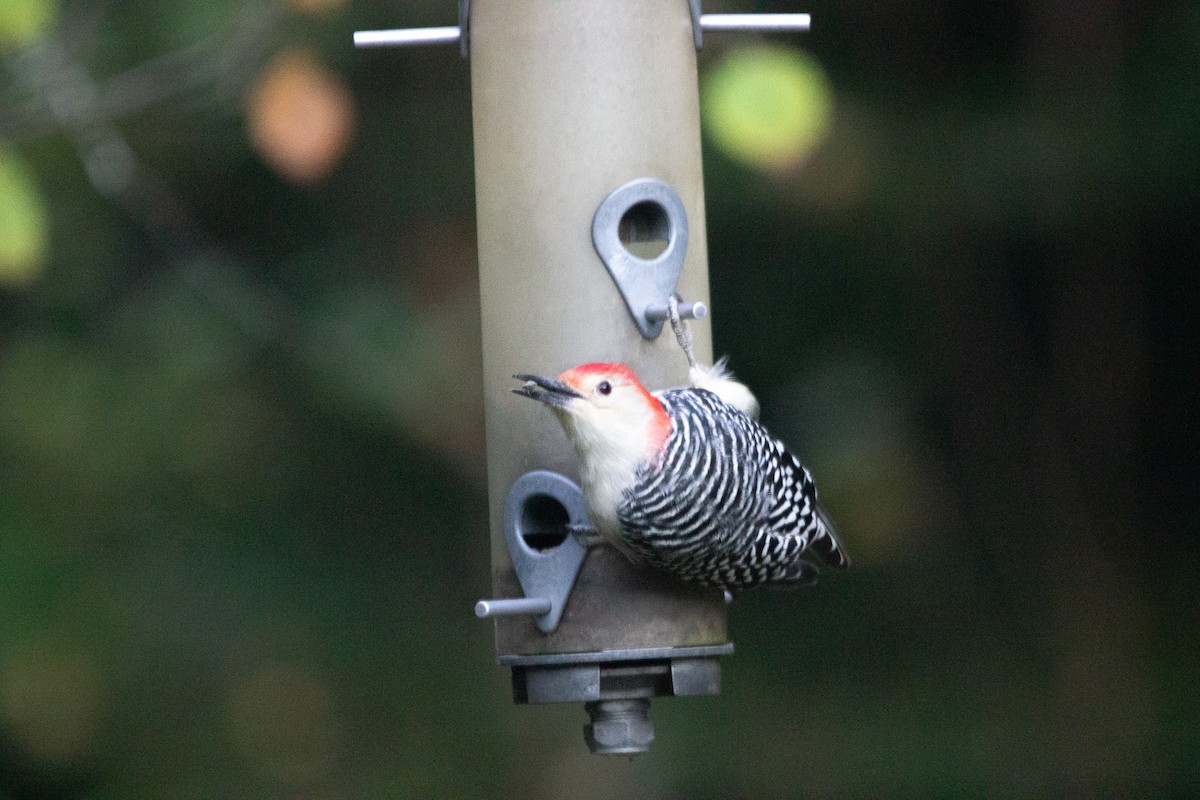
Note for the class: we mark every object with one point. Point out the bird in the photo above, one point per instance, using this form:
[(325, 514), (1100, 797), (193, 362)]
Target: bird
[(687, 482)]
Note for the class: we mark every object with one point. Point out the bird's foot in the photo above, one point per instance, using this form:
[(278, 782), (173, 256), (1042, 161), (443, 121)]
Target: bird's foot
[(585, 534), (682, 334)]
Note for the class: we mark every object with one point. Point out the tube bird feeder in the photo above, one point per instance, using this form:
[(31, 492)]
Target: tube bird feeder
[(590, 215)]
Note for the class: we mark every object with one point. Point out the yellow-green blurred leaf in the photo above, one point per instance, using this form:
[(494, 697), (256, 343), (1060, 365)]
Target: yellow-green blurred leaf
[(767, 106), (22, 21), (22, 223)]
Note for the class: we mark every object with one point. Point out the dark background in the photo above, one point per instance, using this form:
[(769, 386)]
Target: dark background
[(242, 507)]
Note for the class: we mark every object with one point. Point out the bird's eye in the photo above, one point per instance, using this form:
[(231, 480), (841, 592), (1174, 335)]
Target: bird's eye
[(604, 387)]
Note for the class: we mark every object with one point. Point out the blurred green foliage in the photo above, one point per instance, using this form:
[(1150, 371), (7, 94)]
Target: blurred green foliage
[(242, 514), (22, 224)]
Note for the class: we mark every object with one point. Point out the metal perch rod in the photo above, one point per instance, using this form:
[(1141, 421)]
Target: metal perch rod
[(755, 22), (404, 37), (517, 606)]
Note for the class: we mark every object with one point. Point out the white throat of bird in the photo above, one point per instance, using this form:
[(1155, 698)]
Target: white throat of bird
[(613, 435)]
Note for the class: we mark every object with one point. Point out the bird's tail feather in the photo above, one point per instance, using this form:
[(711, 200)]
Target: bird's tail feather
[(827, 544)]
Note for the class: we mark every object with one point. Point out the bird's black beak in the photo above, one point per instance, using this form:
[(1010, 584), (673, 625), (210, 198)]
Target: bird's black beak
[(555, 394)]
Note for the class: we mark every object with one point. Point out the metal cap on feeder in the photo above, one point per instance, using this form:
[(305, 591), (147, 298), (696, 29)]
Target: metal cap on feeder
[(590, 214)]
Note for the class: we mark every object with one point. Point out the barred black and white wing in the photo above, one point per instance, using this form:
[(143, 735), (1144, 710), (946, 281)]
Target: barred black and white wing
[(725, 503)]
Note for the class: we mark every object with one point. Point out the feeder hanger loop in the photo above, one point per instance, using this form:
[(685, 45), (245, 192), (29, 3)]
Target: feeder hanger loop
[(409, 37)]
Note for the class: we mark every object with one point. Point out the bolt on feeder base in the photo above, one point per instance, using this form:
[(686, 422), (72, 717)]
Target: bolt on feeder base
[(619, 727), (616, 686)]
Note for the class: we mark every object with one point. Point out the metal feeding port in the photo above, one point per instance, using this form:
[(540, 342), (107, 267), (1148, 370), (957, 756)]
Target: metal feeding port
[(641, 233), (541, 508)]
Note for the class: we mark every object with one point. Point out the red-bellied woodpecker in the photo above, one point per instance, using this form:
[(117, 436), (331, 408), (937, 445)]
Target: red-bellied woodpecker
[(685, 481)]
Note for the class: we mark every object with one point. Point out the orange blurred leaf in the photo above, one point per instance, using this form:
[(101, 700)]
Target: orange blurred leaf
[(300, 117)]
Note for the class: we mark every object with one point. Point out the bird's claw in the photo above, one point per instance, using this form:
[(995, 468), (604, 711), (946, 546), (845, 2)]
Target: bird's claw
[(682, 334), (585, 534)]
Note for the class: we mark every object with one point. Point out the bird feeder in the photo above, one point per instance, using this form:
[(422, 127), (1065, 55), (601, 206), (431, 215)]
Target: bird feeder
[(590, 214)]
